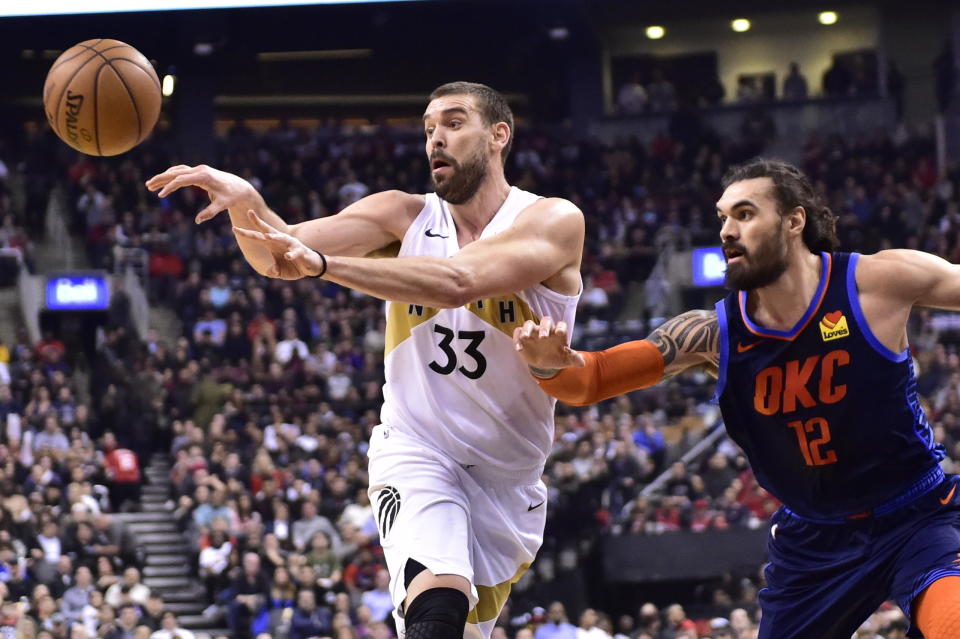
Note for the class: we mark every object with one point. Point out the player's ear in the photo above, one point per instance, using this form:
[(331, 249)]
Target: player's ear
[(796, 220), (501, 135)]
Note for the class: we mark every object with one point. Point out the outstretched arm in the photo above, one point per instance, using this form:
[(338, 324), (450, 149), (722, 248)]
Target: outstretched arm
[(912, 277), (546, 239), (363, 227), (581, 378)]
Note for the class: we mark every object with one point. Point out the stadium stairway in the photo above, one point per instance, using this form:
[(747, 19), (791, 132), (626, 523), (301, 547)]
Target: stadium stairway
[(166, 322), (59, 251), (168, 557)]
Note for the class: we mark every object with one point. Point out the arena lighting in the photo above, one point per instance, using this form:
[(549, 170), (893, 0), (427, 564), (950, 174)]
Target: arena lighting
[(740, 25), (202, 49), (655, 32), (166, 87), (65, 7), (828, 17)]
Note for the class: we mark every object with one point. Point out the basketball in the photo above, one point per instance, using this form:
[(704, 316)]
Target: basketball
[(102, 97)]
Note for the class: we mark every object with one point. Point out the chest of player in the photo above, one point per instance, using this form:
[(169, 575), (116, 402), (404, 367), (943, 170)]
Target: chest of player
[(829, 363), (827, 389)]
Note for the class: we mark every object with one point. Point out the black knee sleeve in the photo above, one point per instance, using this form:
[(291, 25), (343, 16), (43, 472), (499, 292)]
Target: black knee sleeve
[(437, 613)]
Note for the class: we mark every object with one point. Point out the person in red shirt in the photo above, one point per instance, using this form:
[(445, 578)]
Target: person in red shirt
[(50, 349), (166, 269), (122, 469)]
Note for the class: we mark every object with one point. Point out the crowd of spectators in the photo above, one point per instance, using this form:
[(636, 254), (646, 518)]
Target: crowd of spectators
[(266, 400)]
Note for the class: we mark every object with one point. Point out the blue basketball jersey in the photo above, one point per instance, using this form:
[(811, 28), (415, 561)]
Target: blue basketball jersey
[(828, 417)]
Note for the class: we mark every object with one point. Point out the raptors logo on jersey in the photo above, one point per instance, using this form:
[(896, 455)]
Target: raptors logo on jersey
[(452, 375)]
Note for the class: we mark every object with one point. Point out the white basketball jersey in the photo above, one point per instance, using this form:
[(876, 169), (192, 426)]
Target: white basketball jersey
[(453, 377)]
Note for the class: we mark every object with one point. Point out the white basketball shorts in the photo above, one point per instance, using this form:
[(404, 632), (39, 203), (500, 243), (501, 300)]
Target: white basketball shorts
[(482, 524)]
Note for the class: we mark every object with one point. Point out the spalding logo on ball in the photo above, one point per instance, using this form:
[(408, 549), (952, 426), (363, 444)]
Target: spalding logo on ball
[(102, 97)]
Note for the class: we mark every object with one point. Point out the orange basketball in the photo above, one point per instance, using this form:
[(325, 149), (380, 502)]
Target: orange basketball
[(102, 97)]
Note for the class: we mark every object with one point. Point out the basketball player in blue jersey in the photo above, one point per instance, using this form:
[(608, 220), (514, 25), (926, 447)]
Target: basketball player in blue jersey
[(816, 384), (455, 465)]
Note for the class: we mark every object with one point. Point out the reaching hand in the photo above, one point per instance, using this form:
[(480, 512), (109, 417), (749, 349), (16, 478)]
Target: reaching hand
[(225, 190), (291, 258), (544, 345)]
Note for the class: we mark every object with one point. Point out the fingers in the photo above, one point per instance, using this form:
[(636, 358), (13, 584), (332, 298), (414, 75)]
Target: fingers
[(161, 179), (546, 324), (280, 240), (208, 213), (575, 357), (561, 331), (527, 329), (295, 254), (258, 222), (517, 335), (250, 235), (193, 177)]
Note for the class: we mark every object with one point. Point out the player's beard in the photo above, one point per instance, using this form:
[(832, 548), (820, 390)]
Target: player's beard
[(465, 179), (759, 268)]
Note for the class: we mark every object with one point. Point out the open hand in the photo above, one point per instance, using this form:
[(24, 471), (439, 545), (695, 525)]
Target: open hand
[(225, 190), (292, 259), (544, 345)]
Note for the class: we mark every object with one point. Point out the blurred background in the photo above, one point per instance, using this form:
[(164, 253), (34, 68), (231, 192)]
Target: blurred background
[(176, 430)]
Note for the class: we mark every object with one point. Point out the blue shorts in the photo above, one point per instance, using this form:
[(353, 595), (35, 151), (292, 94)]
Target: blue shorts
[(825, 579)]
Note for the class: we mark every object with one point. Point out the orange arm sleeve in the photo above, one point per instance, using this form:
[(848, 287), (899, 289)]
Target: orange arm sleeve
[(621, 369)]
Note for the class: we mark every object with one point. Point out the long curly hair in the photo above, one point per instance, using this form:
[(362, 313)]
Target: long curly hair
[(791, 188)]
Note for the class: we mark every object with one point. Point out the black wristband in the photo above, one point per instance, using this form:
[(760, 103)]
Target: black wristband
[(322, 270)]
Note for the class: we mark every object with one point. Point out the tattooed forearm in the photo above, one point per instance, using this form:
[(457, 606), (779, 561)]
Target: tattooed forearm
[(694, 332)]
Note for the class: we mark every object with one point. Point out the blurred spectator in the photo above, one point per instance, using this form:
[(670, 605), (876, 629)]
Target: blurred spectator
[(588, 628), (214, 561), (556, 626), (308, 620), (130, 588), (662, 96), (247, 596), (290, 346), (837, 81), (748, 90), (122, 471), (795, 85), (632, 97), (125, 624), (309, 524), (895, 87), (379, 600), (945, 77), (678, 622), (50, 349), (152, 616), (170, 628)]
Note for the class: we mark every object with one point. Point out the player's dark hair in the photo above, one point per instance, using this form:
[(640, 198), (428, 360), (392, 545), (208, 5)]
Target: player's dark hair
[(492, 105), (791, 188)]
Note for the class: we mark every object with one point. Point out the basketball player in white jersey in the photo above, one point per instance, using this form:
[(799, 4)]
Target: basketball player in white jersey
[(455, 465)]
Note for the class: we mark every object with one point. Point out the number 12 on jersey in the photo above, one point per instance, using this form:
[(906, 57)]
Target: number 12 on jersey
[(812, 449), (471, 350)]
